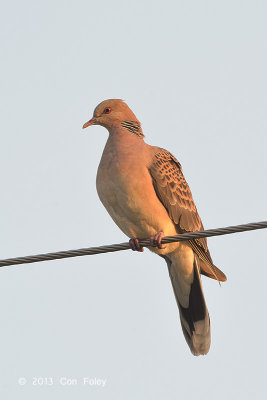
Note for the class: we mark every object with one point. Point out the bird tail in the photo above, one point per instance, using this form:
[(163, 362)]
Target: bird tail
[(190, 299)]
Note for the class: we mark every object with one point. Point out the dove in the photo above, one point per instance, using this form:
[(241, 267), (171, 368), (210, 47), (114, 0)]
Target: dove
[(144, 191)]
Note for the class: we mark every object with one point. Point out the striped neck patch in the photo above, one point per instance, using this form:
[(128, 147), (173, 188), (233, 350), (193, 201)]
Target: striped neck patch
[(133, 127)]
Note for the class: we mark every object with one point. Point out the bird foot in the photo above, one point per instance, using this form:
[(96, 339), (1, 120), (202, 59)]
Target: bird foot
[(155, 241), (135, 245)]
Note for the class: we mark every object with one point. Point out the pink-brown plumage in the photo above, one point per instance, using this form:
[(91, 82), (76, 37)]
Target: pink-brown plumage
[(144, 190)]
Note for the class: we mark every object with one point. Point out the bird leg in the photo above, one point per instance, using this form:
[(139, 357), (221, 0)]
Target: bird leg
[(155, 241), (135, 245)]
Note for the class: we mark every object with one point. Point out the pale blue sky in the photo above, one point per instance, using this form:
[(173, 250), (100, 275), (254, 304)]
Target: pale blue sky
[(194, 73)]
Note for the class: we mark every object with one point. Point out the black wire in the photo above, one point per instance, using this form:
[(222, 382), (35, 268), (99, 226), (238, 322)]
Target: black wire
[(125, 246)]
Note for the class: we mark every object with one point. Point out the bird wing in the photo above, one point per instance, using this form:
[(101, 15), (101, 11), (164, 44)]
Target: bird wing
[(175, 194)]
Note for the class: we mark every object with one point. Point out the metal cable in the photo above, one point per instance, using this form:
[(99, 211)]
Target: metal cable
[(125, 246)]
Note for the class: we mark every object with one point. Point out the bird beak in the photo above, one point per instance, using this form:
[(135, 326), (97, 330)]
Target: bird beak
[(91, 122)]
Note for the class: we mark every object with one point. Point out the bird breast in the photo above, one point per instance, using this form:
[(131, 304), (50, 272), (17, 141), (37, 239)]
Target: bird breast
[(125, 188)]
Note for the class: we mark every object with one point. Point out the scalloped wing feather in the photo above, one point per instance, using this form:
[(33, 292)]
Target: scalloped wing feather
[(175, 194)]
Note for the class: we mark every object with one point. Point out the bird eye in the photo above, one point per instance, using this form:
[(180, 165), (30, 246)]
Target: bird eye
[(107, 110)]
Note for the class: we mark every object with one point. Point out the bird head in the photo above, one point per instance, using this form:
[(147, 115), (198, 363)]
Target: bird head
[(111, 113)]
